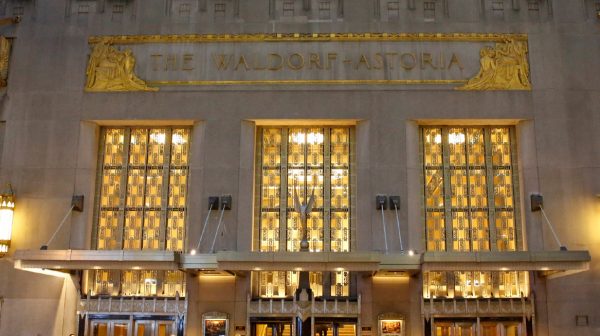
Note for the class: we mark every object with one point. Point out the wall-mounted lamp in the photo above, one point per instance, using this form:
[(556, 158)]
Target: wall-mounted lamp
[(7, 208)]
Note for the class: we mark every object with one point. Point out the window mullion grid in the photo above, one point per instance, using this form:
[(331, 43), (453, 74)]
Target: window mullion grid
[(123, 196), (306, 191), (165, 190), (144, 186), (258, 176), (447, 191), (516, 191), (352, 187), (97, 198), (490, 190), (468, 180), (326, 190), (283, 194)]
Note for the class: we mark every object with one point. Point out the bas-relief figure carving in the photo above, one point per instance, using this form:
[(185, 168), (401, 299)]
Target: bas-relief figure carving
[(110, 69), (4, 58), (503, 67)]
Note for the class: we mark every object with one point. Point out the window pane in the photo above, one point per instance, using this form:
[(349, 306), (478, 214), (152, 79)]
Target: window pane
[(138, 283), (134, 217), (478, 198), (340, 283), (436, 231)]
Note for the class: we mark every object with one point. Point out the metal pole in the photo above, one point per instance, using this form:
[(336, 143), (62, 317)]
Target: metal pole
[(398, 224), (204, 228), (551, 228), (60, 225), (212, 248), (384, 231)]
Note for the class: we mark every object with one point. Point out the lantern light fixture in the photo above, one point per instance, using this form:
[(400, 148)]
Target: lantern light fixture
[(7, 208)]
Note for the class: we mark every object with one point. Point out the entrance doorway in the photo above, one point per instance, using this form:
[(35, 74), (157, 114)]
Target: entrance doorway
[(469, 328), (109, 328), (133, 327), (335, 329), (285, 326), (272, 328)]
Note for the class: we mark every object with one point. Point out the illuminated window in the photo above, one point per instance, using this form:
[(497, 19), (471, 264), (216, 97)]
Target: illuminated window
[(508, 284), (469, 183), (470, 205), (281, 284), (340, 283), (141, 201), (142, 189), (137, 283), (295, 165)]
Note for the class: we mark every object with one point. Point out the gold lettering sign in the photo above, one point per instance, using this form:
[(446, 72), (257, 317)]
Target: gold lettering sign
[(455, 61)]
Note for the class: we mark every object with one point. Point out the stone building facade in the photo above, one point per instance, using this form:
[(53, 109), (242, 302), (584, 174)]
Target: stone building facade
[(298, 167)]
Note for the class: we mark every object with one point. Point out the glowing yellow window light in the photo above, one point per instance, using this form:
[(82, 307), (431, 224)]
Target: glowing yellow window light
[(7, 208)]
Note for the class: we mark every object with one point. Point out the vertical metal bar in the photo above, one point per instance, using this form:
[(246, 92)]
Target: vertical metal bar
[(516, 189), (326, 229), (99, 174), (258, 177), (283, 180), (398, 224), (467, 177), (489, 171), (447, 191), (123, 196), (384, 230), (164, 218)]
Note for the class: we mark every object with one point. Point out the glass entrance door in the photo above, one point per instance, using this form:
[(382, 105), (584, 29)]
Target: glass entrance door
[(272, 329), (335, 329), (469, 328), (109, 328), (154, 328)]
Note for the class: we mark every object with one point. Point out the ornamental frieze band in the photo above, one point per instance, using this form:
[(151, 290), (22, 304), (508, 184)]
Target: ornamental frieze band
[(452, 61)]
